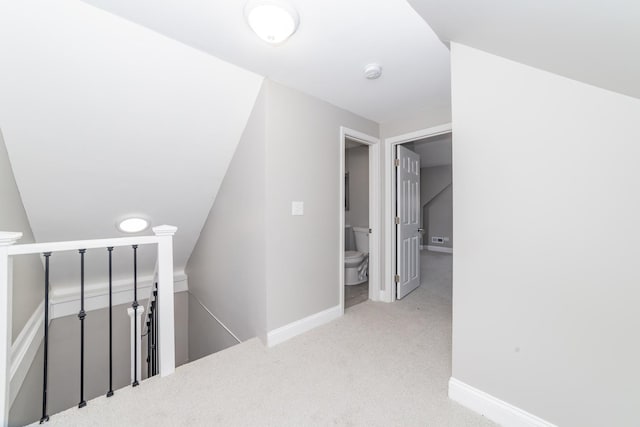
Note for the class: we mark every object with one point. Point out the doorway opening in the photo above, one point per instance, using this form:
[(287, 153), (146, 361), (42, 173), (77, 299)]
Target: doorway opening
[(419, 210), (359, 234)]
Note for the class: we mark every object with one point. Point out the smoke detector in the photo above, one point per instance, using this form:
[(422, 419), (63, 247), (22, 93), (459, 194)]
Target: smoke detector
[(372, 71)]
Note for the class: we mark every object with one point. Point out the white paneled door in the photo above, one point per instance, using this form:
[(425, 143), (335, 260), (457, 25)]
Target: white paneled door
[(408, 221)]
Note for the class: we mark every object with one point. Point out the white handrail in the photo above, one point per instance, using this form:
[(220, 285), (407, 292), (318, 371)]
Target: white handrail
[(37, 248)]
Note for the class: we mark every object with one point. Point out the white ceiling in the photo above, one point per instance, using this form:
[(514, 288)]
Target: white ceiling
[(326, 56), (103, 118), (434, 151), (596, 42)]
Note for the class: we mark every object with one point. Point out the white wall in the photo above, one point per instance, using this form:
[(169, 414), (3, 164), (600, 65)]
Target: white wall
[(543, 317), (227, 266), (357, 164), (303, 163), (105, 119)]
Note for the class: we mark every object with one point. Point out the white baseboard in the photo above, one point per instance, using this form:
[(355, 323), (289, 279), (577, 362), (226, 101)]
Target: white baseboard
[(493, 408), (440, 249), (301, 326), (24, 349), (68, 303)]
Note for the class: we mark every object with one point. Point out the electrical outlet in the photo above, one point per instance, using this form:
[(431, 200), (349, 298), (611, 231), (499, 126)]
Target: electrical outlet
[(436, 239)]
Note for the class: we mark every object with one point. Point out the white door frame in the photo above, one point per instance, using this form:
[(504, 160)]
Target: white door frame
[(374, 212), (389, 293)]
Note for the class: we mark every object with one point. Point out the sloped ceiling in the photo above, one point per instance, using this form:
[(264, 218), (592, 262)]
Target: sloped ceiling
[(434, 151), (326, 56), (596, 42), (103, 118)]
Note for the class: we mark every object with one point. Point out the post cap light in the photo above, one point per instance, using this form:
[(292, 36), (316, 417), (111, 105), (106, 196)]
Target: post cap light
[(273, 21)]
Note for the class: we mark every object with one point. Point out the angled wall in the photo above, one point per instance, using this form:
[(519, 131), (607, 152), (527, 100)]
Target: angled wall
[(28, 273), (227, 267), (105, 119), (255, 266), (544, 318)]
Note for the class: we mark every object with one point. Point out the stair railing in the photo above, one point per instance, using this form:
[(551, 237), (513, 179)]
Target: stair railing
[(163, 305)]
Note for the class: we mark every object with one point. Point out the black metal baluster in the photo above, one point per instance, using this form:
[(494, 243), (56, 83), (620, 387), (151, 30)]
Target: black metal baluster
[(45, 417), (110, 392), (81, 316), (149, 345), (156, 322), (152, 338), (135, 315)]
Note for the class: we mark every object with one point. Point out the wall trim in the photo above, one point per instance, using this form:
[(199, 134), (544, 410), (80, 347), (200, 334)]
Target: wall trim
[(24, 350), (215, 317), (301, 326), (68, 303), (433, 248), (493, 408)]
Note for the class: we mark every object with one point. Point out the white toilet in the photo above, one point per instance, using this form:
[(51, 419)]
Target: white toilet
[(356, 263)]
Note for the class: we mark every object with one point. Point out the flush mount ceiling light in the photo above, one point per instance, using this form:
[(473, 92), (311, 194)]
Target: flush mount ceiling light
[(133, 225), (372, 71), (273, 21)]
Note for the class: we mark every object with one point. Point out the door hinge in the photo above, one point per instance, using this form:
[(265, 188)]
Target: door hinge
[(396, 162), (397, 278), (397, 221)]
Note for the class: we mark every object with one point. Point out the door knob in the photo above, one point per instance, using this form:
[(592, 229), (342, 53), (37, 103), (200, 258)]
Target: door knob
[(420, 230)]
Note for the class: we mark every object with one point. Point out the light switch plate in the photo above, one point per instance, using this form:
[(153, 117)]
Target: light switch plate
[(297, 208)]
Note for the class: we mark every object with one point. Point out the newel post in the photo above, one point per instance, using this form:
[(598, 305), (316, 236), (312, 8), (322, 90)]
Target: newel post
[(6, 283), (166, 345)]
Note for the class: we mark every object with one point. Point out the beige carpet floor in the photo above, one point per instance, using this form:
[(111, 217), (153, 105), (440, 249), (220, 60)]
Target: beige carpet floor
[(379, 365)]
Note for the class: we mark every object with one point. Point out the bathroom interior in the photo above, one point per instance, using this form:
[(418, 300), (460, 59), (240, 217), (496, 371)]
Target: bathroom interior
[(356, 236)]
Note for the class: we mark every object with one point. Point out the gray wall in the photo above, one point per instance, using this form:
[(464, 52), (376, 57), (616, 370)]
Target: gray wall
[(437, 213), (543, 318), (255, 266), (206, 335), (64, 360), (28, 273), (303, 163), (27, 408), (357, 164), (227, 266)]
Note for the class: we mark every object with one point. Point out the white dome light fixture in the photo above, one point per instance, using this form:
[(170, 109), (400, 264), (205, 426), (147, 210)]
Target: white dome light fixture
[(273, 21), (372, 71), (132, 225)]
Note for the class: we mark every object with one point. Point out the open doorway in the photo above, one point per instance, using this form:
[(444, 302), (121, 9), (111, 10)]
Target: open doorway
[(356, 229), (419, 242), (359, 250)]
